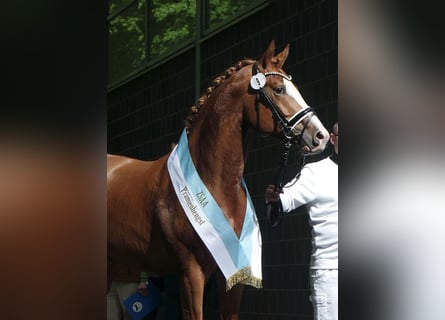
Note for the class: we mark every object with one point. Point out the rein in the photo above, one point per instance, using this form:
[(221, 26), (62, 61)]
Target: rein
[(274, 210)]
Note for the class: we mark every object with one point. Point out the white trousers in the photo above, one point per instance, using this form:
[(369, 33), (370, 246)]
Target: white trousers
[(324, 297)]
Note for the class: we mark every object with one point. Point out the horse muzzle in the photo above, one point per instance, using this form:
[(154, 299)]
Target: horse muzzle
[(314, 136), (309, 133)]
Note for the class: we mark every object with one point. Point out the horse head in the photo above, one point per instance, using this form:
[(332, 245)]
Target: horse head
[(275, 106)]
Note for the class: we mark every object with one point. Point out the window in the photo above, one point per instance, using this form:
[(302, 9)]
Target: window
[(126, 50), (141, 31), (222, 10), (171, 23)]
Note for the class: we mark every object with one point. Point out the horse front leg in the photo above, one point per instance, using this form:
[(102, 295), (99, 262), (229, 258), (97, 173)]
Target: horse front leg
[(191, 288), (229, 301)]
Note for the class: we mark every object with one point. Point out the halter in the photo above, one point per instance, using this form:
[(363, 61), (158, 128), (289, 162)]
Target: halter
[(258, 82)]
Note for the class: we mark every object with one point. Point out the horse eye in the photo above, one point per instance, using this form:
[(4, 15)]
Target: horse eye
[(279, 90)]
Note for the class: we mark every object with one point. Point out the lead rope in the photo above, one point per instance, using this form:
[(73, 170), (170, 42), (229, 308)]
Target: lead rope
[(274, 210)]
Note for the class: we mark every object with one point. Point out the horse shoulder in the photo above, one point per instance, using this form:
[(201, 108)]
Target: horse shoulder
[(132, 180)]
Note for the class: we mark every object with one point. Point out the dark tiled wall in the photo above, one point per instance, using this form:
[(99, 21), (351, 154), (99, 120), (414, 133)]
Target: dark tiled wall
[(147, 114)]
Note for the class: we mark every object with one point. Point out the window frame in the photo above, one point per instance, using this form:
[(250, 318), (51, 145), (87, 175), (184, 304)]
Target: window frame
[(202, 34)]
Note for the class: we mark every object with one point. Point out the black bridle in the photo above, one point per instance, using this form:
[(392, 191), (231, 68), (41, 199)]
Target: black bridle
[(258, 83), (274, 210)]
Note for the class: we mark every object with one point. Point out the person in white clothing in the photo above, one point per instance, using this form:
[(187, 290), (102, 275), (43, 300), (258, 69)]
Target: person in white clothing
[(317, 188)]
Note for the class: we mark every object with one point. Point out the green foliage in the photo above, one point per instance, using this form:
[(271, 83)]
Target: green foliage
[(171, 22), (221, 10), (127, 40)]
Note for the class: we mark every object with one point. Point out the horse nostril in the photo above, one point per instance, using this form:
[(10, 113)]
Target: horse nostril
[(319, 135)]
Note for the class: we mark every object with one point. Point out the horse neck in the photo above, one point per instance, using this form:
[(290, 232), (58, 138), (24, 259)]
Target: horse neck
[(218, 145)]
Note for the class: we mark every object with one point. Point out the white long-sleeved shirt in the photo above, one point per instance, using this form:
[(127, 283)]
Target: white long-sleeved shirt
[(317, 188)]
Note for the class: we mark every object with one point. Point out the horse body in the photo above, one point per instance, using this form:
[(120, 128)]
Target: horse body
[(147, 226), (132, 201)]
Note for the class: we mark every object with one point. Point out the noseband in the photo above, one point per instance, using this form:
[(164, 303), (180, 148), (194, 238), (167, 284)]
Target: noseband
[(258, 82)]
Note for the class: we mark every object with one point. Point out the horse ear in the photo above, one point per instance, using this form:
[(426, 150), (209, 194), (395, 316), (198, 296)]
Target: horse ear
[(280, 58), (268, 55)]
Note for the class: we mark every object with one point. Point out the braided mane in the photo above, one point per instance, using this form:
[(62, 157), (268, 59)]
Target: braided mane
[(215, 83)]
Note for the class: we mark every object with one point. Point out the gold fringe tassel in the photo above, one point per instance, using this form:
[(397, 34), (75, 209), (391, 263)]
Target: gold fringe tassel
[(243, 276)]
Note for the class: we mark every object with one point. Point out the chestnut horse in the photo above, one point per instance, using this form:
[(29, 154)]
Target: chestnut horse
[(148, 228)]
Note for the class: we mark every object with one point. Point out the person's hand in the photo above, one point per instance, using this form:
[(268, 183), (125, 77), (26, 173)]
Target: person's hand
[(272, 194), (142, 288)]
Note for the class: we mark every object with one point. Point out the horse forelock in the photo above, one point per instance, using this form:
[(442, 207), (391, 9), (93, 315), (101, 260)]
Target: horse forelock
[(215, 83)]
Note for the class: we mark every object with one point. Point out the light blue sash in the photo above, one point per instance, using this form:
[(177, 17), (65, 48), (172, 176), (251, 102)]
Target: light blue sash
[(238, 259)]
